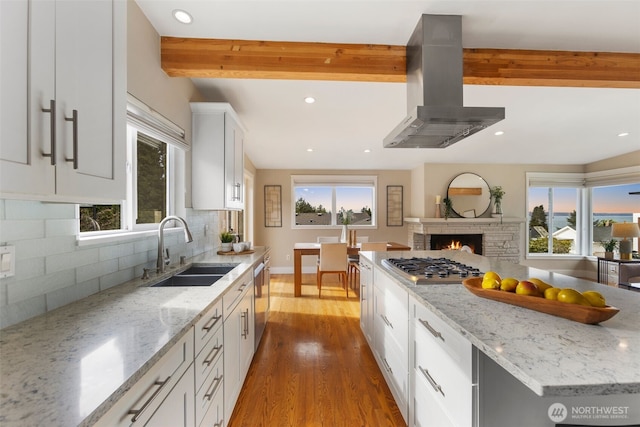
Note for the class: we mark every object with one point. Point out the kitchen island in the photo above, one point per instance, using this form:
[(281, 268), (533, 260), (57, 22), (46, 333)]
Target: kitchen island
[(69, 366), (530, 360)]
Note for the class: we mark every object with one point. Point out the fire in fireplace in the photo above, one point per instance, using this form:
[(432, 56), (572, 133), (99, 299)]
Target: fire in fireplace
[(456, 242)]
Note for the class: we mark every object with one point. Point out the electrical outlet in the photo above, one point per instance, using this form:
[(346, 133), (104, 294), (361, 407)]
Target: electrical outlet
[(288, 257), (7, 261)]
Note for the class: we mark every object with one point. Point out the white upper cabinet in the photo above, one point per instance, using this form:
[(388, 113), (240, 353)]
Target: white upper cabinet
[(64, 133), (217, 157)]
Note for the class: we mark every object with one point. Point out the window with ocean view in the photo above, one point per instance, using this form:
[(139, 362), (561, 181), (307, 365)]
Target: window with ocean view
[(572, 214)]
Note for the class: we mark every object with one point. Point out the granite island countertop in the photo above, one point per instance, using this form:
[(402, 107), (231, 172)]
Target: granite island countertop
[(67, 367), (552, 356)]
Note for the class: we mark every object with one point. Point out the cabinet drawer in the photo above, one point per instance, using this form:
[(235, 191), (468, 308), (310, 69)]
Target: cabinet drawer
[(392, 304), (208, 357), (235, 294), (145, 396), (208, 325), (444, 364), (210, 396), (434, 330), (428, 411)]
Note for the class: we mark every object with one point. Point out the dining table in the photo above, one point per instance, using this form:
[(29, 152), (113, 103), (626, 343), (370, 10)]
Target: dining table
[(301, 249)]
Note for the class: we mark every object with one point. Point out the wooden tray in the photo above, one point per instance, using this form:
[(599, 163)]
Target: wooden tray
[(250, 251), (578, 313)]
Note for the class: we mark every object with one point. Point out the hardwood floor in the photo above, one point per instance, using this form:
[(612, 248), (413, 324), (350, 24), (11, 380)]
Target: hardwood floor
[(314, 366)]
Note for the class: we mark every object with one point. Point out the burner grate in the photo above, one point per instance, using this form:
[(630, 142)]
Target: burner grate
[(432, 270)]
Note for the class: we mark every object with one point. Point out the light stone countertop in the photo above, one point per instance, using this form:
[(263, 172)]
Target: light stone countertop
[(550, 355), (67, 367)]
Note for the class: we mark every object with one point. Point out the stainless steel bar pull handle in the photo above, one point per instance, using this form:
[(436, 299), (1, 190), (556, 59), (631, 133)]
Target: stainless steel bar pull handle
[(431, 329), (136, 412), (52, 110), (212, 356), (74, 119), (433, 382), (210, 325), (243, 318), (216, 383)]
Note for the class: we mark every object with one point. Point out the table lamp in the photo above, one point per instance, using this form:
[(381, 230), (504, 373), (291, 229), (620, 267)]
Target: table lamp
[(626, 230)]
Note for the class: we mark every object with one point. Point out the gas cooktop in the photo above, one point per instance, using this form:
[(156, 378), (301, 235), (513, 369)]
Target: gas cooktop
[(424, 271)]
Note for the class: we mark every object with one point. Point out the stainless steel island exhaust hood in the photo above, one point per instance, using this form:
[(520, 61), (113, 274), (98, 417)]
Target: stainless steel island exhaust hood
[(436, 117)]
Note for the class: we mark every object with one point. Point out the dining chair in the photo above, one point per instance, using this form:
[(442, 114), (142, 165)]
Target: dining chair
[(354, 265), (333, 259)]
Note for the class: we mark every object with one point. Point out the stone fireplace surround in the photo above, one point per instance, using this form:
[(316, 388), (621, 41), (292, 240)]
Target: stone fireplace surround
[(500, 236)]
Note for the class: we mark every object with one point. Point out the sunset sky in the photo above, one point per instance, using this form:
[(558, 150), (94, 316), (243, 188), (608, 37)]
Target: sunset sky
[(347, 197), (615, 199)]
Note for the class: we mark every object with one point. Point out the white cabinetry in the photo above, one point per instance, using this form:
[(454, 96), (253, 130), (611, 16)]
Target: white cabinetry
[(208, 365), (163, 396), (217, 157), (444, 390), (239, 338), (391, 336), (63, 117), (366, 299)]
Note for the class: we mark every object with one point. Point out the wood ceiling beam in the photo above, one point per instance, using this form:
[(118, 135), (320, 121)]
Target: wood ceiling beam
[(247, 59)]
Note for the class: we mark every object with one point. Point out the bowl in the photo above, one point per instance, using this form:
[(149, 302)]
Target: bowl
[(238, 247)]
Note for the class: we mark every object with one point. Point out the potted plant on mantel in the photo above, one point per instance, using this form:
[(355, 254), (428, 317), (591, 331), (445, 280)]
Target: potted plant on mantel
[(496, 194), (226, 239), (609, 246), (448, 207)]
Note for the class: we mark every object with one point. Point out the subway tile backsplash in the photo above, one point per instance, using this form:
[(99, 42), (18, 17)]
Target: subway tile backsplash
[(52, 270)]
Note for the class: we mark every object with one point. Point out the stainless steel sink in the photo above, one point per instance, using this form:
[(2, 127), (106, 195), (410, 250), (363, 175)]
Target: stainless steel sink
[(207, 269), (189, 280)]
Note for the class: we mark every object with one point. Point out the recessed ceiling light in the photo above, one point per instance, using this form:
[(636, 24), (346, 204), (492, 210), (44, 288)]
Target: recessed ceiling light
[(309, 100), (182, 16), (367, 150), (309, 150), (499, 133), (623, 134)]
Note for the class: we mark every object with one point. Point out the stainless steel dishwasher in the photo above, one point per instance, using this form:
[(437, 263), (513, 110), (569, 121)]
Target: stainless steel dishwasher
[(261, 279)]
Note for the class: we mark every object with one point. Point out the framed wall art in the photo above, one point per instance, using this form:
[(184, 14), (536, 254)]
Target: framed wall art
[(273, 206), (395, 212)]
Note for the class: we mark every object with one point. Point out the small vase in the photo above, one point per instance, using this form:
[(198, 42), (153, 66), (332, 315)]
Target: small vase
[(497, 208), (608, 255), (345, 234)]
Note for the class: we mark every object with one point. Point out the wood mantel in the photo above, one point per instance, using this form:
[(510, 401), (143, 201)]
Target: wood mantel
[(257, 59)]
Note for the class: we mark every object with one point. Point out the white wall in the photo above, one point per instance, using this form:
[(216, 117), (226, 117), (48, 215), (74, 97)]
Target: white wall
[(282, 239)]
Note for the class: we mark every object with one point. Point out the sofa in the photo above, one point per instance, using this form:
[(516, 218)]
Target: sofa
[(629, 272)]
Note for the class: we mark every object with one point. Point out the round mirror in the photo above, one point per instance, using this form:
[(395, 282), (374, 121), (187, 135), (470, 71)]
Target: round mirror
[(469, 194)]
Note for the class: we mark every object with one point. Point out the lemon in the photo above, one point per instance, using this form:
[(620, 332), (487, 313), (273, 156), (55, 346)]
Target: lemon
[(552, 293), (492, 275), (572, 296), (490, 284), (595, 298), (509, 284)]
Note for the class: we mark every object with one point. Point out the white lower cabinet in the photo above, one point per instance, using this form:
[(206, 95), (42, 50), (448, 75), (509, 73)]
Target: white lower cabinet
[(166, 390), (366, 299), (391, 336), (209, 368), (177, 409), (444, 384), (239, 337)]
